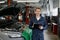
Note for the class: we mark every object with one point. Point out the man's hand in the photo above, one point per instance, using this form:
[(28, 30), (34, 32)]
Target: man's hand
[(41, 27), (33, 26)]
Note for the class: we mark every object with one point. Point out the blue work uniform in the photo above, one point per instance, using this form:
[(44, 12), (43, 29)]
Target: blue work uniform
[(37, 34)]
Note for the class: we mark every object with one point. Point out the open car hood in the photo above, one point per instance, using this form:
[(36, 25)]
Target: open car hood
[(9, 11)]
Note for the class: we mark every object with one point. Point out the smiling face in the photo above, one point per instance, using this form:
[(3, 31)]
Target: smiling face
[(37, 11)]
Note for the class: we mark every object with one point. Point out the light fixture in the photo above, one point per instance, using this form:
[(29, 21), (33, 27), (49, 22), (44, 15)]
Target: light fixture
[(2, 1), (26, 1)]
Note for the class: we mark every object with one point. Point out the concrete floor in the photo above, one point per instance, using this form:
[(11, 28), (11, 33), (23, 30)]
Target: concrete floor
[(49, 36)]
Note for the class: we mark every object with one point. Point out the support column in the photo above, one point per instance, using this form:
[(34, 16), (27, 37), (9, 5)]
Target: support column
[(27, 14), (9, 2), (51, 5)]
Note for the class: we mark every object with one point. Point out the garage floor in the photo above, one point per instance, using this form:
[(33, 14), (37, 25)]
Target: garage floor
[(49, 36)]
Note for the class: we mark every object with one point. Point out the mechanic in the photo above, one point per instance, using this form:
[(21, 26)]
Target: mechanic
[(37, 34)]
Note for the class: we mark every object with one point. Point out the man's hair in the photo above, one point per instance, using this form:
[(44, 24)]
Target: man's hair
[(37, 8)]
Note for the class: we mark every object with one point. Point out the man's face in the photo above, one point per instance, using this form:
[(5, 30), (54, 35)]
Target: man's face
[(37, 11)]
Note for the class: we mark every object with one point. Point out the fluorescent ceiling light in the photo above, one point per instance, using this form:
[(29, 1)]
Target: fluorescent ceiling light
[(2, 1), (36, 5), (26, 0)]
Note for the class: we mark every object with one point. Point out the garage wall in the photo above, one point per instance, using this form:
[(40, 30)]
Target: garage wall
[(59, 3), (55, 3)]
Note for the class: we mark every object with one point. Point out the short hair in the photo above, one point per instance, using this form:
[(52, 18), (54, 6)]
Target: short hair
[(37, 8), (19, 12)]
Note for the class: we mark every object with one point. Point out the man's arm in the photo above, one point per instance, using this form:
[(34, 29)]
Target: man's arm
[(31, 23), (45, 24)]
